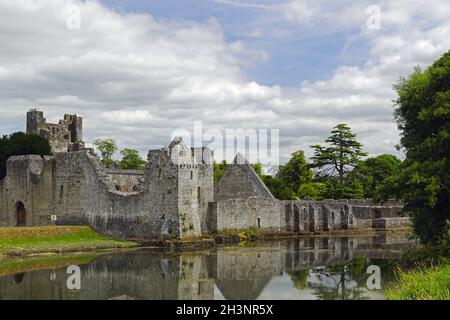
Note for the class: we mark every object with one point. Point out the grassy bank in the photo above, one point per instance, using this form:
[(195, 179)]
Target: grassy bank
[(39, 240), (422, 284), (423, 274)]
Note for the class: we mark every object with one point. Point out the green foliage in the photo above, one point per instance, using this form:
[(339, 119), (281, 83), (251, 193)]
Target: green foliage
[(423, 117), (299, 279), (278, 188), (295, 172), (131, 160), (49, 239), (107, 148), (313, 190), (219, 170), (258, 169), (373, 173), (423, 284), (342, 153), (20, 143)]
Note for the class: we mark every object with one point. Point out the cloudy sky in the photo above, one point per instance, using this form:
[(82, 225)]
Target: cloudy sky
[(138, 70)]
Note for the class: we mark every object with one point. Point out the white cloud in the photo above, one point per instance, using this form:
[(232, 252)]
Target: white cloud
[(137, 78)]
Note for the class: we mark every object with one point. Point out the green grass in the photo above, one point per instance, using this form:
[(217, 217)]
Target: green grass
[(17, 241), (422, 284)]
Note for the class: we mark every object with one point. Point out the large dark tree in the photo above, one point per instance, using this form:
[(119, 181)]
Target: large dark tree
[(423, 117), (20, 143), (341, 154)]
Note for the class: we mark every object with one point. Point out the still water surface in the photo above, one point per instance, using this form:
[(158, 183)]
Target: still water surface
[(306, 268)]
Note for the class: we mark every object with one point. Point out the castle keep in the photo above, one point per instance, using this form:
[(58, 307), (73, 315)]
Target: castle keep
[(174, 196)]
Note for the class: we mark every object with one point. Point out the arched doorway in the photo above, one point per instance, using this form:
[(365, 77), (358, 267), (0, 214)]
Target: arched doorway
[(21, 215)]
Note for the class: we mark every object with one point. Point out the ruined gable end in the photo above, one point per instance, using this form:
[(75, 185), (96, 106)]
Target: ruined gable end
[(241, 181)]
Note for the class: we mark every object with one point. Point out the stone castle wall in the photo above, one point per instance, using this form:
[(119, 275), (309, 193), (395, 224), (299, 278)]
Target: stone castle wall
[(76, 188), (174, 195), (248, 213), (66, 135), (29, 182), (126, 180)]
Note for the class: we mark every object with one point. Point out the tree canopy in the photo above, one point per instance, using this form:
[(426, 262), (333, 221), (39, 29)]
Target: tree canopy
[(295, 172), (20, 143), (423, 116), (107, 148), (341, 154), (373, 173), (131, 160)]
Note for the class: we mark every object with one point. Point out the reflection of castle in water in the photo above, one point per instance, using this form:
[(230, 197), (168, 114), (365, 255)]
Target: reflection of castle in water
[(237, 272)]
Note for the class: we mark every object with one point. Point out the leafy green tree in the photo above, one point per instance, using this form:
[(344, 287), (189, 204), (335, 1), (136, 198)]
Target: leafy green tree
[(340, 156), (314, 190), (131, 160), (258, 169), (107, 148), (20, 143), (373, 172), (295, 172), (278, 188), (423, 118), (219, 170)]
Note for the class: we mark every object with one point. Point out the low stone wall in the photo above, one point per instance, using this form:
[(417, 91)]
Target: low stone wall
[(392, 223), (376, 211), (251, 213), (331, 215)]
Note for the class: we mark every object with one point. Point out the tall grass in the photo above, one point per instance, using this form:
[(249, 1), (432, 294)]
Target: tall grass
[(422, 284)]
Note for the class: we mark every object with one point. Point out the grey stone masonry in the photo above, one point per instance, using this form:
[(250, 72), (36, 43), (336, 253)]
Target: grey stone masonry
[(65, 136), (173, 197), (241, 181)]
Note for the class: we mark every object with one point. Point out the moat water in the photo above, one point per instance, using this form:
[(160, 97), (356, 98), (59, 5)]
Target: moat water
[(307, 268)]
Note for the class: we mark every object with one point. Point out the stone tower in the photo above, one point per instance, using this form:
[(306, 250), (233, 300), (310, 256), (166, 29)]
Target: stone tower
[(180, 180), (66, 136)]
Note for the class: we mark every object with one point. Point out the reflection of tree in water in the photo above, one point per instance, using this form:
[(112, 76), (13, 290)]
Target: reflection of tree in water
[(341, 281), (299, 278), (334, 285)]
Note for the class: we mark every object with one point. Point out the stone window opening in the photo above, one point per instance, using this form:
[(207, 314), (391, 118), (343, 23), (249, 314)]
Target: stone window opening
[(199, 196), (258, 222), (192, 175), (61, 192), (159, 174)]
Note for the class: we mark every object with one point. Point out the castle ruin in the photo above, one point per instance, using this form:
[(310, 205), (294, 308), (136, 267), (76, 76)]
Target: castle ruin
[(174, 196)]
